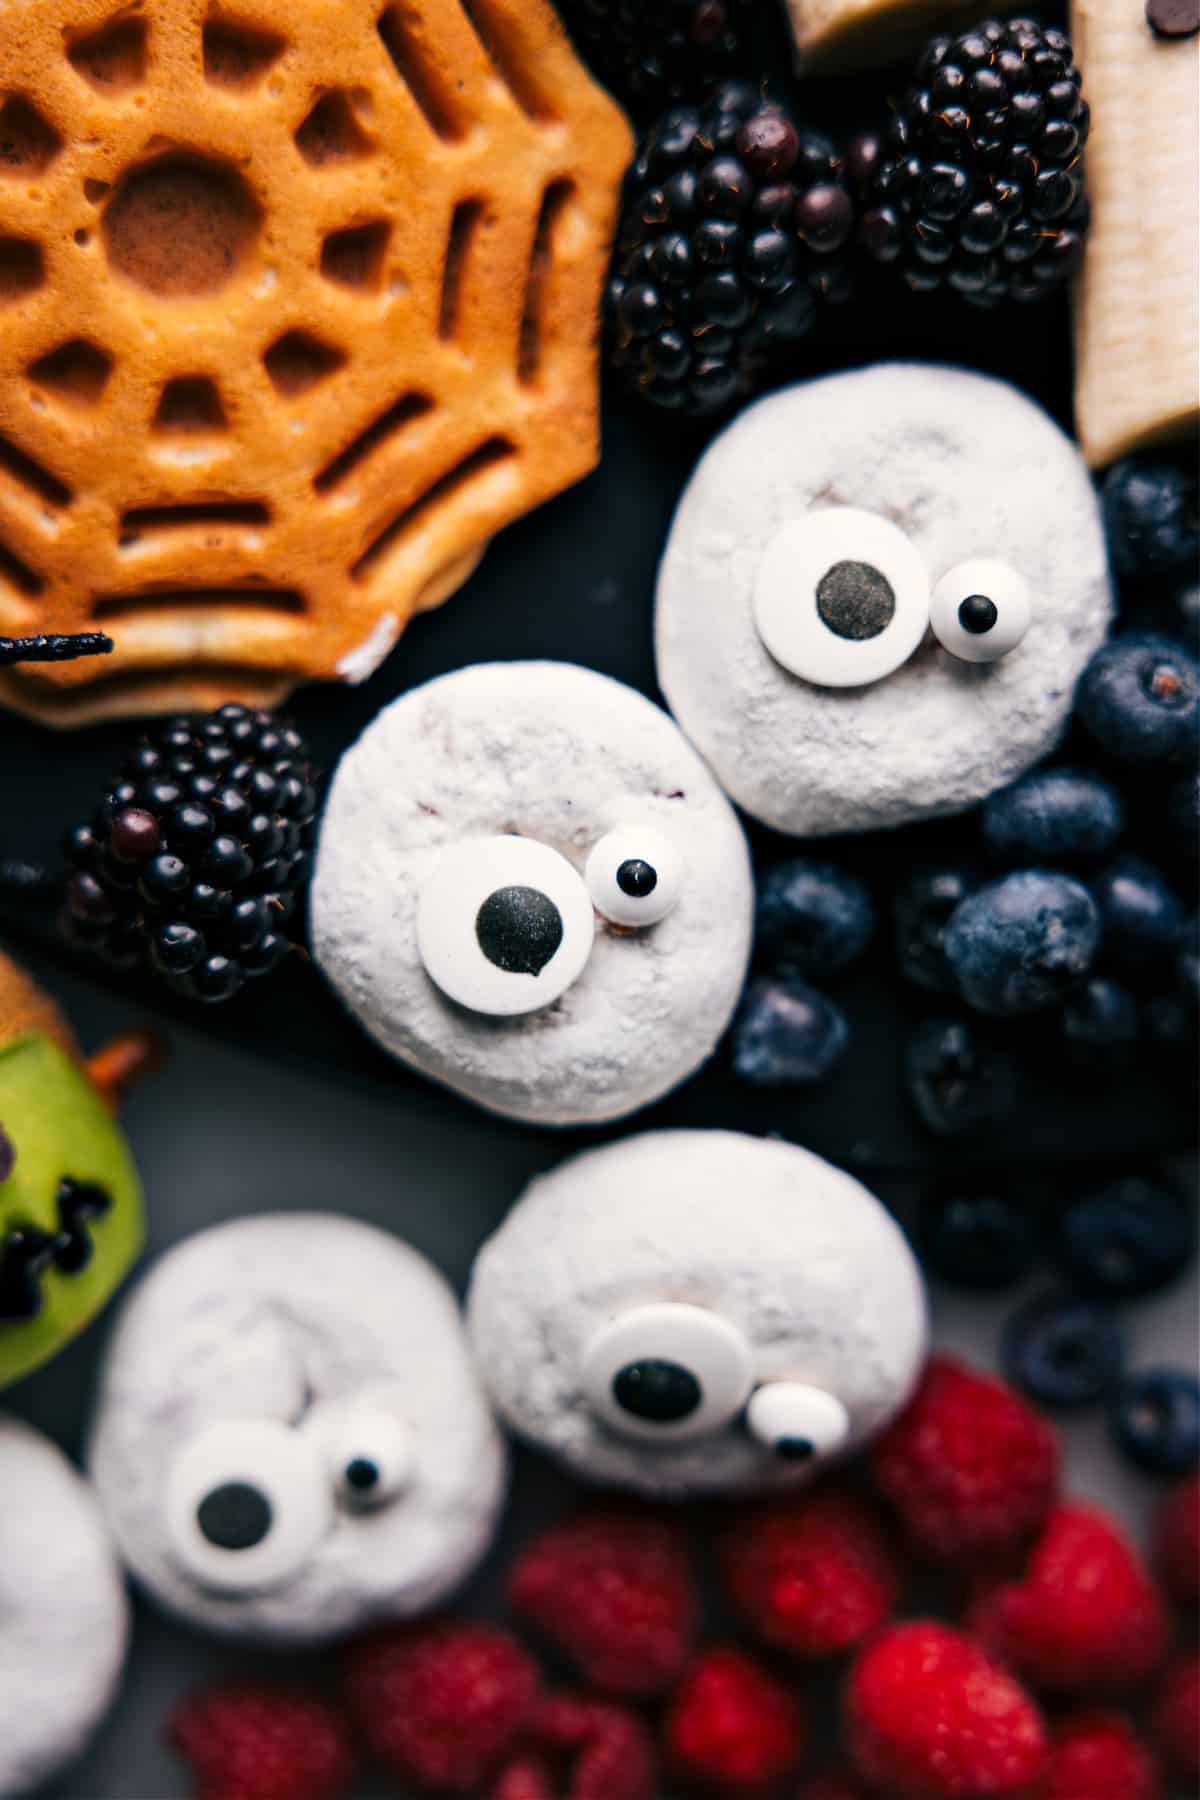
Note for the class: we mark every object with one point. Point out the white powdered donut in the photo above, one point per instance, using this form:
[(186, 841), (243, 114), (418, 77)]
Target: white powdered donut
[(693, 1312), (64, 1621), (972, 473), (623, 994), (290, 1440)]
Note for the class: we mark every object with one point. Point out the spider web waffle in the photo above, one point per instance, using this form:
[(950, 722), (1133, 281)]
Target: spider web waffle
[(298, 306)]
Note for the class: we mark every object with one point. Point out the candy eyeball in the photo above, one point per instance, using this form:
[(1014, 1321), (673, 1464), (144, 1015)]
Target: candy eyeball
[(842, 597), (980, 610), (504, 925), (368, 1453), (667, 1372), (634, 876), (798, 1422), (247, 1502)]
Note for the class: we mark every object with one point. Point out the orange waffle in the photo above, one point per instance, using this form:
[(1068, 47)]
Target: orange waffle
[(298, 306)]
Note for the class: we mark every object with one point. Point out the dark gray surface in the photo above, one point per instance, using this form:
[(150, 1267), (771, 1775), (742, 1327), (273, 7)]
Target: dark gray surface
[(223, 1133)]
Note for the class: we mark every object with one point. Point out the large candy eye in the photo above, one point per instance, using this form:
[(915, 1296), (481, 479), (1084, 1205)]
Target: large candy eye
[(504, 925), (842, 597), (796, 1422), (667, 1372), (634, 876), (980, 610), (246, 1505), (368, 1453)]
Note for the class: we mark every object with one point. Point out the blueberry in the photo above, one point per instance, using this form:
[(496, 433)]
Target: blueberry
[(1099, 1025), (1053, 815), (957, 1080), (1141, 919), (1172, 1017), (921, 912), (1155, 1421), (787, 1032), (813, 919), (1183, 817), (1064, 1353), (1022, 942), (986, 1241), (1181, 613), (1139, 697), (1128, 1238), (1150, 516)]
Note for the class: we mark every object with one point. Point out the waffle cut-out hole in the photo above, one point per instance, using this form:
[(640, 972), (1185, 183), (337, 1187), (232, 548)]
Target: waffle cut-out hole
[(297, 362), (377, 435), (465, 223), (530, 344), (237, 55), (42, 483), (113, 58), (28, 143), (22, 270), (442, 493), (190, 406), (180, 225), (354, 258), (16, 576), (331, 133), (499, 31), (76, 372), (423, 73)]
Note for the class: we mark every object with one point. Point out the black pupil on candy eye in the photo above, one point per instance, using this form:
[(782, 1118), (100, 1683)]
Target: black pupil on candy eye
[(794, 1449), (361, 1474), (659, 1391), (977, 614), (855, 601), (637, 878), (234, 1516), (519, 929)]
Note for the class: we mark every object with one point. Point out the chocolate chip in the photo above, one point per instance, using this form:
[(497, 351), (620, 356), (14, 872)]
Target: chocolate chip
[(519, 929), (1173, 18)]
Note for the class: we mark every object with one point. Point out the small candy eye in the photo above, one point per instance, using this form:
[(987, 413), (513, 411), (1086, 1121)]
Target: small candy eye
[(842, 597), (635, 876), (667, 1372), (369, 1455), (980, 610), (796, 1422), (504, 925), (246, 1505)]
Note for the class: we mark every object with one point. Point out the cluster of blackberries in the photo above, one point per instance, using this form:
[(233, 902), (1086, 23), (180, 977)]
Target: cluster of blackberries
[(651, 52), (979, 183), (732, 231), (195, 857)]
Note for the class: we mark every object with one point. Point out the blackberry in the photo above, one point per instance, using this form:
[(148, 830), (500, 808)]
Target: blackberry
[(651, 52), (194, 860), (978, 186), (734, 224)]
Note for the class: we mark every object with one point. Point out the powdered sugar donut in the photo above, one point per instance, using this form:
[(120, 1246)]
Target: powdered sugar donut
[(877, 596), (290, 1439), (697, 1312), (529, 888), (63, 1615)]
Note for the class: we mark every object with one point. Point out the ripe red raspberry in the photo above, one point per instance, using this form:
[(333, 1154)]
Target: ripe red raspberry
[(732, 1728), (969, 1466), (440, 1703), (578, 1749), (613, 1590), (1177, 1543), (262, 1741), (1084, 1618), (812, 1575), (930, 1716), (1176, 1719), (1098, 1756)]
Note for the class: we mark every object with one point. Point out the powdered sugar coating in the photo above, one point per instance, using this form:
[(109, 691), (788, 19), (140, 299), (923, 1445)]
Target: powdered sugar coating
[(968, 467)]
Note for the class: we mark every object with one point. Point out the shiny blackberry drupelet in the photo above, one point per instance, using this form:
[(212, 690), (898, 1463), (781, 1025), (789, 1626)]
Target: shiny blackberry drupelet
[(734, 233), (651, 52), (195, 858), (979, 183)]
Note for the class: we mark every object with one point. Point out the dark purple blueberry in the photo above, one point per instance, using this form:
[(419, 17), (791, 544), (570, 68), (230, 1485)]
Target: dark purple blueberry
[(177, 947), (812, 919), (1155, 1421), (1021, 943), (164, 879), (985, 1240), (1139, 698), (225, 863), (959, 1081), (787, 1034), (1065, 1353), (1130, 1237)]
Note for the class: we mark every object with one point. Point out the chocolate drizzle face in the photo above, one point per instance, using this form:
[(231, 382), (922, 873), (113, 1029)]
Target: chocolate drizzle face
[(27, 1251)]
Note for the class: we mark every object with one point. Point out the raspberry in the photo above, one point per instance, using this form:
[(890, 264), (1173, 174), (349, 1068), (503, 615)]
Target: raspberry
[(930, 1716), (262, 1741), (580, 1749), (440, 1703), (614, 1591), (1176, 1719), (1084, 1617), (971, 1468), (812, 1575), (732, 1728), (1097, 1756), (1177, 1542)]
